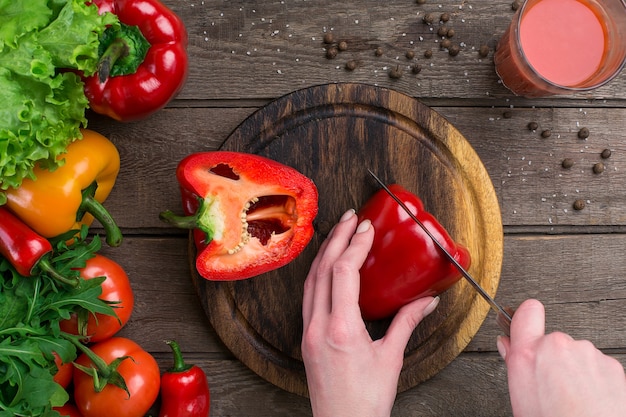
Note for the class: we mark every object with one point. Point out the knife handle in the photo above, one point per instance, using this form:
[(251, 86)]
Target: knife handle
[(504, 322)]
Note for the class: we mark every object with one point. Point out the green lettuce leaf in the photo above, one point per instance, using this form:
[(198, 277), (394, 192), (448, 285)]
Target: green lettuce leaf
[(43, 43)]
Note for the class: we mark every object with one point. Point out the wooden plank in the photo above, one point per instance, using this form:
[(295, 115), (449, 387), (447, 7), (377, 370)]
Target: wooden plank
[(525, 168), (260, 49)]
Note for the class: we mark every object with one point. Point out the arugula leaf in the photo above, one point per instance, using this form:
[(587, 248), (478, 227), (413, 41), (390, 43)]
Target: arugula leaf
[(42, 43), (30, 311)]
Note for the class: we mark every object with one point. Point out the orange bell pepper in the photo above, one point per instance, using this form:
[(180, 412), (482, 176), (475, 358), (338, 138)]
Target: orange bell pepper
[(58, 201)]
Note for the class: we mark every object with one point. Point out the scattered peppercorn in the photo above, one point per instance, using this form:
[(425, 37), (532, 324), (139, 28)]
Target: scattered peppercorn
[(442, 31), (343, 46), (533, 126), (567, 163), (395, 73), (546, 133), (420, 1), (409, 54), (378, 51), (450, 33), (328, 38), (428, 53), (579, 204), (444, 17), (454, 50), (351, 65), (483, 51), (416, 69), (428, 18), (606, 154), (598, 168), (507, 114), (445, 44), (583, 133), (516, 4), (332, 52)]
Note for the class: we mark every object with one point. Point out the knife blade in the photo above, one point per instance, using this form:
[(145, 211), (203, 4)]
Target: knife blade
[(504, 315)]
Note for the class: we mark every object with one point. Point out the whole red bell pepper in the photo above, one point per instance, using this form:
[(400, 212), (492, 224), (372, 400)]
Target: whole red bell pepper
[(250, 214), (143, 62), (184, 389), (27, 251), (404, 263)]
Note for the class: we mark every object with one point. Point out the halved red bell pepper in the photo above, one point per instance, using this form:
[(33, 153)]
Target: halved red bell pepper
[(144, 60), (404, 263), (250, 214)]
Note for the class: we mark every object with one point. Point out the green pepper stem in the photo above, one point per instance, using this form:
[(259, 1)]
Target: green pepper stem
[(116, 50), (45, 265), (92, 206), (182, 222), (179, 362)]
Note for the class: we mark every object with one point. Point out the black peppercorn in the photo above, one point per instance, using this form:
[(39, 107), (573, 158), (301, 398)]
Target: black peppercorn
[(567, 163), (420, 1), (428, 53), (442, 31), (583, 133), (328, 38), (343, 46), (351, 65), (606, 154), (579, 204), (450, 33), (416, 69), (444, 17), (378, 51), (332, 52), (507, 114), (546, 133), (428, 18), (395, 72), (454, 50), (598, 168), (533, 126), (409, 54), (445, 44), (483, 51)]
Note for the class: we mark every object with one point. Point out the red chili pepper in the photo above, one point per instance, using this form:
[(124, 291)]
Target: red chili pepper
[(184, 389), (404, 264), (144, 64), (27, 251), (250, 214)]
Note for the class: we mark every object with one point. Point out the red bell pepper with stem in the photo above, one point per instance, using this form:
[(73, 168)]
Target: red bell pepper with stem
[(27, 251), (143, 62), (250, 214), (184, 389), (404, 263)]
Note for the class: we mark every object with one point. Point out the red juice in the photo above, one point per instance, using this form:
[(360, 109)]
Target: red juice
[(562, 46), (563, 40)]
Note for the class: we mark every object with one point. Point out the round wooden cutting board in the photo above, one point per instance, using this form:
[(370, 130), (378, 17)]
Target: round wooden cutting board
[(333, 134)]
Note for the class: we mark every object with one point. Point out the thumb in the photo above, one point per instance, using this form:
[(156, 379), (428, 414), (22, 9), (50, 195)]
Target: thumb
[(406, 320)]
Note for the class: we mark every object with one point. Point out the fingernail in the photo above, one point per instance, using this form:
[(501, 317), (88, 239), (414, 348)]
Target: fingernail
[(432, 306), (501, 348), (364, 226), (347, 215)]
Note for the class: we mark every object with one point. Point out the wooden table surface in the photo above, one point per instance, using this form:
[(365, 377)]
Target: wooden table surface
[(243, 54)]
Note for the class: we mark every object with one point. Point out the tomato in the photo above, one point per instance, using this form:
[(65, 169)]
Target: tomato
[(115, 288), (63, 375), (140, 371), (68, 410)]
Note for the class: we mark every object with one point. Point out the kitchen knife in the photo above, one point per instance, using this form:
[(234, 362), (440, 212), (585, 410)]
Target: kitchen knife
[(503, 315)]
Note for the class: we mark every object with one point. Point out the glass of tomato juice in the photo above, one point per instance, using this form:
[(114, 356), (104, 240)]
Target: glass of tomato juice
[(562, 46)]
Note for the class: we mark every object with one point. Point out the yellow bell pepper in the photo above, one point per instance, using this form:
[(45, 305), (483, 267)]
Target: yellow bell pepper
[(58, 201)]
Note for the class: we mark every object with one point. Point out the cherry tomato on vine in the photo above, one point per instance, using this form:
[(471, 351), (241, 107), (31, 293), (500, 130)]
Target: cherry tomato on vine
[(63, 375), (115, 288), (121, 357), (68, 410)]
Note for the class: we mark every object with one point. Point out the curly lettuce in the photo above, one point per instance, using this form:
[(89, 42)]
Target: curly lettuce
[(43, 44)]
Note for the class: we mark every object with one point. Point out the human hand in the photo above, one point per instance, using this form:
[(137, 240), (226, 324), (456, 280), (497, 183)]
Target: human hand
[(554, 375), (348, 374)]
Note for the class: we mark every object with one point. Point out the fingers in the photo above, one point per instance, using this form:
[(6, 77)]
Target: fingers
[(406, 320), (529, 323), (346, 280)]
